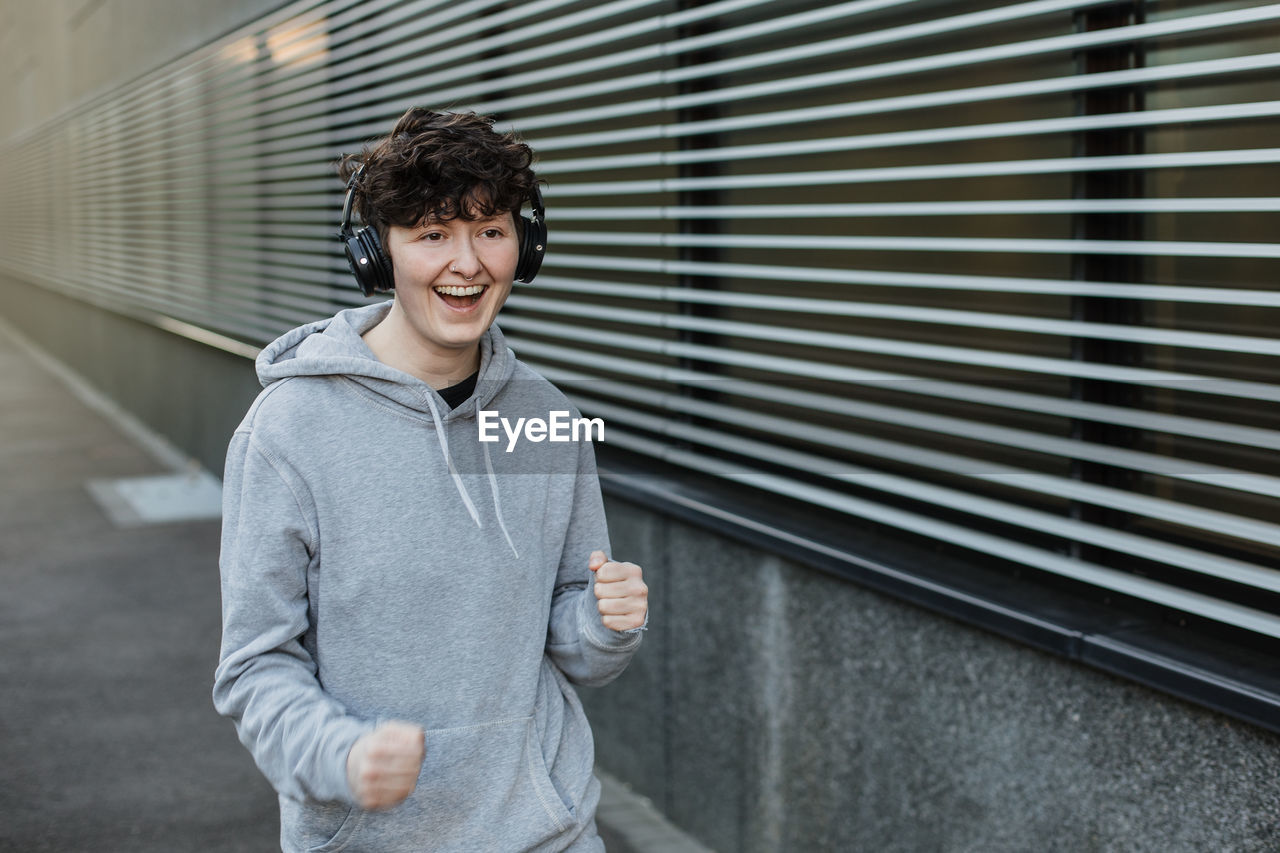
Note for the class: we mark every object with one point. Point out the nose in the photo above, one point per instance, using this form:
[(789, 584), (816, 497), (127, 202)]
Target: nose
[(466, 262)]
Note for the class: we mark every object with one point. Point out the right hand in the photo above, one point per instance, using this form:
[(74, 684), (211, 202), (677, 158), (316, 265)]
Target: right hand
[(383, 765)]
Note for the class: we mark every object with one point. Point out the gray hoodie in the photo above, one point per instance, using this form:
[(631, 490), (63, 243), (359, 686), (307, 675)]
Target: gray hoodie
[(379, 562)]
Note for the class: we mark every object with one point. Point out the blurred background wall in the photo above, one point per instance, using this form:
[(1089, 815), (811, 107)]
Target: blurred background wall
[(936, 343), (62, 52)]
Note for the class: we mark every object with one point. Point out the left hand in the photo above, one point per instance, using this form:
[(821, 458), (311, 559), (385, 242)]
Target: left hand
[(621, 593)]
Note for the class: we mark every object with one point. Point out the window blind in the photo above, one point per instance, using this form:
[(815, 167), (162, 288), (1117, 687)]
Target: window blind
[(1000, 276)]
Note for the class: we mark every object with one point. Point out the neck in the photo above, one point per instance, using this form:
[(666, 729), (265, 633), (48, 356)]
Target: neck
[(396, 346)]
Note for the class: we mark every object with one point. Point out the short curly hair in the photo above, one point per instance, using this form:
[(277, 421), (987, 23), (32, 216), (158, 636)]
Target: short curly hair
[(442, 165)]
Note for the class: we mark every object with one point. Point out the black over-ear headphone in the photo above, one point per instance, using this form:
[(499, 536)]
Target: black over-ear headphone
[(372, 266)]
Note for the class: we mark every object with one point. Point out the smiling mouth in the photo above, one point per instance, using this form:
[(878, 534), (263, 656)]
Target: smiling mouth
[(459, 296)]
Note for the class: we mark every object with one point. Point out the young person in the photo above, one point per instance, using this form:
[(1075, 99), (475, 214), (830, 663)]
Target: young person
[(405, 606)]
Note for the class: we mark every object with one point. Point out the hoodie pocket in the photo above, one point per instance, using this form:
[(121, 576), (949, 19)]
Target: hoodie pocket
[(487, 787), (344, 834), (316, 822), (482, 787)]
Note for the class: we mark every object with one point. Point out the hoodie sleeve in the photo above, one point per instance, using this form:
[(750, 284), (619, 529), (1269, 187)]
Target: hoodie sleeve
[(265, 682), (578, 643)]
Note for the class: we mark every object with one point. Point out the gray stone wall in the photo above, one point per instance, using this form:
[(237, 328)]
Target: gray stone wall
[(774, 708)]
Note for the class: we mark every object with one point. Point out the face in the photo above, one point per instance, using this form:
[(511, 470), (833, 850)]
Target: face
[(452, 276)]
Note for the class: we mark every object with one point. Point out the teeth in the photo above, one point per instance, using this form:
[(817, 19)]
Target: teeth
[(455, 290)]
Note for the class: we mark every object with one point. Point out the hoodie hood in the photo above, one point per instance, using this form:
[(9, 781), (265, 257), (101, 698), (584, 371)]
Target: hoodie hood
[(334, 347)]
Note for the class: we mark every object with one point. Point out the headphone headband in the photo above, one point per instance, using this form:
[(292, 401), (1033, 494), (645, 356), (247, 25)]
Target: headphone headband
[(533, 238), (345, 227), (368, 262)]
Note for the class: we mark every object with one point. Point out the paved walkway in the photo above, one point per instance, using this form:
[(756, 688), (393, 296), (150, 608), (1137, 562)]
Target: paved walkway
[(108, 641)]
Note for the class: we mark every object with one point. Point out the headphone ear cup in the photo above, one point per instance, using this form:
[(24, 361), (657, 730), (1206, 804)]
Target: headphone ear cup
[(533, 245), (384, 278), (369, 264), (360, 263)]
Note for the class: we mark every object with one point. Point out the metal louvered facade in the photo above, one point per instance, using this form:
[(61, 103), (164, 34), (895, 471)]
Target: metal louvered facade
[(1003, 277)]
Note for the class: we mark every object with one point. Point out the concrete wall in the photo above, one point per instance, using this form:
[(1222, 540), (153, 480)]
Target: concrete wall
[(776, 708), (192, 394)]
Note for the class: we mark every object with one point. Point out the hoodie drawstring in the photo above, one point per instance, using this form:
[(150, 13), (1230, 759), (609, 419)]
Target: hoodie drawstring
[(461, 487), (497, 504), (448, 460)]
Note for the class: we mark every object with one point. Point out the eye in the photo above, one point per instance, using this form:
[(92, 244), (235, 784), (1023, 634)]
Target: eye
[(493, 233), (432, 236)]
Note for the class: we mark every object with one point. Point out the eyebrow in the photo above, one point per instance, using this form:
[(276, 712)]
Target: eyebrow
[(435, 220)]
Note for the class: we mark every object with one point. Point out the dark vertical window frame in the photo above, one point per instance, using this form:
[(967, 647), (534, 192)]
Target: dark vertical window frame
[(698, 198), (1116, 184), (496, 52)]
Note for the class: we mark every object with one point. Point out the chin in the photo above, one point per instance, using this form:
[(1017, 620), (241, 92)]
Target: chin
[(465, 337)]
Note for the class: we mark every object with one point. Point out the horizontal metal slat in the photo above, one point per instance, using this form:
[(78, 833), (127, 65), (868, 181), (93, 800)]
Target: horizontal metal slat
[(1197, 383), (433, 65), (984, 470), (917, 314), (1011, 207), (1009, 245), (934, 62), (1175, 424), (1161, 593), (1151, 549), (667, 48), (1051, 165), (920, 280), (530, 123), (930, 136), (918, 100), (1066, 448)]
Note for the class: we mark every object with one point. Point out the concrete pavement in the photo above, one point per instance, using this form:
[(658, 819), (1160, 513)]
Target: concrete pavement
[(108, 639)]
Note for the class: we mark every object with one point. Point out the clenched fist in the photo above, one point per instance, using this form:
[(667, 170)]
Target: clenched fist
[(383, 765), (623, 598)]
